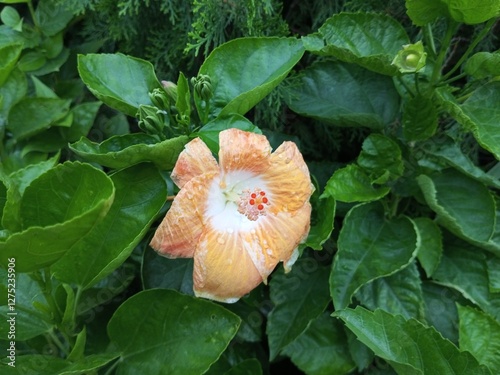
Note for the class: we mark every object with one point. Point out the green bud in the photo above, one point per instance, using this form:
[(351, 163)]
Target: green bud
[(151, 119), (159, 98), (203, 86), (411, 58)]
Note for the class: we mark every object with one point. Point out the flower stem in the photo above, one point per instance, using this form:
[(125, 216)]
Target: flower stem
[(450, 31)]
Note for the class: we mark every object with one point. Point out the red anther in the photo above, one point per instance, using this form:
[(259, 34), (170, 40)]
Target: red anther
[(264, 200), (253, 195), (252, 202), (260, 207), (262, 193)]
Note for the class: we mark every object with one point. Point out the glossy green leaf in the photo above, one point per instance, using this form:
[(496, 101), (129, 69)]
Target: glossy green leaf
[(441, 309), (83, 118), (298, 297), (369, 40), (420, 118), (321, 349), (10, 54), (483, 64), (140, 194), (183, 102), (12, 90), (369, 247), (122, 82), (30, 116), (244, 71), (57, 209), (345, 95), (17, 182), (463, 268), (407, 345), (381, 158), (162, 324), (321, 224), (494, 274), (122, 151), (252, 320), (29, 321), (209, 133), (399, 293), (352, 184), (464, 206), (31, 61), (480, 335), (450, 152), (431, 247), (161, 272), (247, 367)]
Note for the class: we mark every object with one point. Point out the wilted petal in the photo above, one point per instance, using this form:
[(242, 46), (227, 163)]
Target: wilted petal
[(223, 270), (240, 150), (194, 160), (181, 228), (288, 179)]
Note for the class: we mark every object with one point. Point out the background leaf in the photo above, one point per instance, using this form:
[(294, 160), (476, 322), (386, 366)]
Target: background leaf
[(57, 210), (140, 194), (122, 151), (298, 297), (164, 332), (369, 247), (483, 64), (369, 40), (321, 94), (122, 82), (408, 345), (420, 118), (431, 248), (243, 71)]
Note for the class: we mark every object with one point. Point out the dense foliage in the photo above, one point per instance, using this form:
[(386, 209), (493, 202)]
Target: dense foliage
[(395, 106)]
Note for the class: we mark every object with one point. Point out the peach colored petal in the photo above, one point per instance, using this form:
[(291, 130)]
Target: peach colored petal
[(240, 150), (194, 160), (276, 237), (178, 233), (288, 179), (223, 270)]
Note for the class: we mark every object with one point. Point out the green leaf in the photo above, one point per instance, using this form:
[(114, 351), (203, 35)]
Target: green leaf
[(298, 297), (420, 118), (3, 199), (244, 71), (29, 321), (431, 247), (17, 182), (122, 82), (10, 54), (31, 364), (368, 40), (209, 133), (494, 274), (441, 309), (372, 99), (12, 90), (122, 151), (381, 158), (321, 349), (464, 268), (322, 224), (369, 246), (463, 205), (84, 116), (473, 11), (161, 272), (352, 184), (140, 194), (30, 116), (483, 64), (422, 12), (407, 345), (480, 335), (52, 17), (191, 333), (399, 293), (57, 209), (247, 367), (183, 102)]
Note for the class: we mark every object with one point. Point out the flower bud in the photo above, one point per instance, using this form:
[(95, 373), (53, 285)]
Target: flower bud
[(151, 119), (203, 86), (159, 98), (170, 89), (411, 58)]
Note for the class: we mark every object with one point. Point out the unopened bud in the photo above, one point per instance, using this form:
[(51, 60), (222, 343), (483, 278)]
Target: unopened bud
[(411, 58)]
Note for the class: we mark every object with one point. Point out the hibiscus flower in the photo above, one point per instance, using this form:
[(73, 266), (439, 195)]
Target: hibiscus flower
[(237, 218)]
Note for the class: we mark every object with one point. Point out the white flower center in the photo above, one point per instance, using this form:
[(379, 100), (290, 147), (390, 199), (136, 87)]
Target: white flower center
[(236, 201)]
